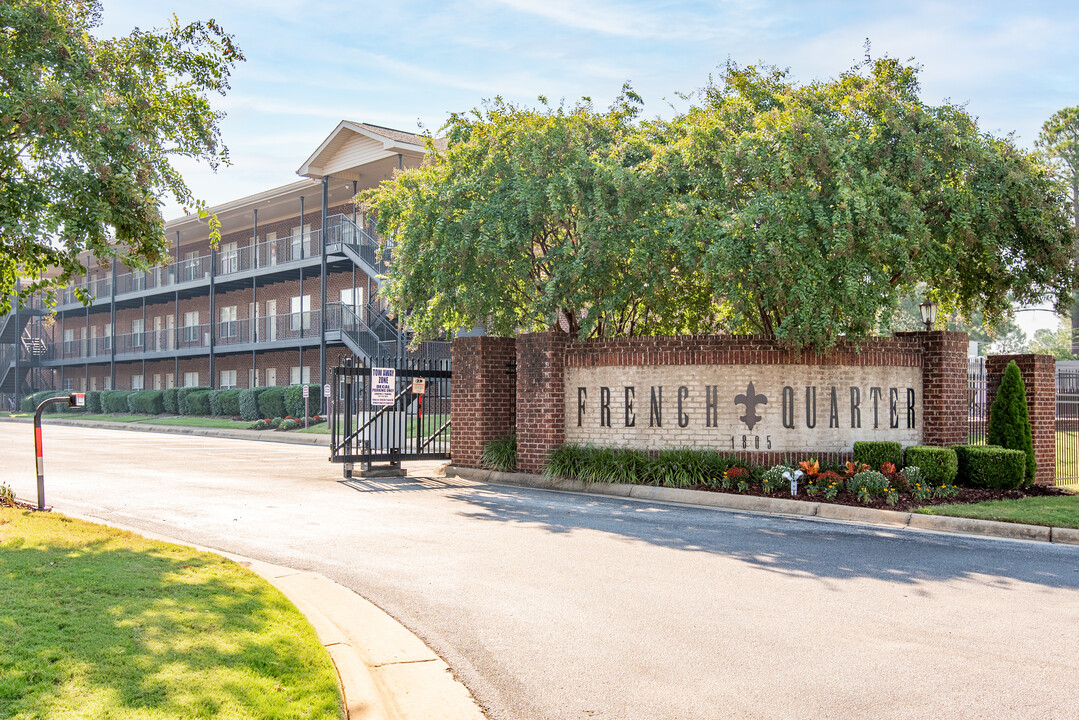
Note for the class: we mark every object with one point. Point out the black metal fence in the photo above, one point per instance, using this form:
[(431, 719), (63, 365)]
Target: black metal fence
[(392, 410), (1067, 428), (977, 400)]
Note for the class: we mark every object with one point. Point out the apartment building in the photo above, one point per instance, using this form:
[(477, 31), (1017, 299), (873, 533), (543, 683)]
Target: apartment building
[(290, 290)]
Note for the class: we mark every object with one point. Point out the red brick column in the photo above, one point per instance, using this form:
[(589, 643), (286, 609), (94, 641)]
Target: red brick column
[(1039, 377), (483, 399), (541, 409), (944, 387)]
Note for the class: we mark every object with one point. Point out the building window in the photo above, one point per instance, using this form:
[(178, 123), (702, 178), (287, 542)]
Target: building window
[(108, 337), (300, 319), (136, 382), (69, 342), (228, 379), (301, 248), (228, 259), (108, 382), (69, 384), (191, 265), (191, 379), (299, 376), (136, 333), (191, 326), (229, 325)]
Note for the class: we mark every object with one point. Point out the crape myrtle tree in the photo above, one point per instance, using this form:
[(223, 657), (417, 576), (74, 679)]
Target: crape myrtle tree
[(800, 212), (536, 219), (814, 208), (89, 130), (1059, 139)]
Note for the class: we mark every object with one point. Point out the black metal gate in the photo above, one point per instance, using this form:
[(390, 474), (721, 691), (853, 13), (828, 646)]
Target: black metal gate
[(390, 413), (1066, 433)]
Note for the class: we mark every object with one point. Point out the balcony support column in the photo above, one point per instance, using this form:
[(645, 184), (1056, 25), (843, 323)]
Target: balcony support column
[(143, 342), (176, 325), (255, 238), (322, 286), (112, 325), (213, 314), (18, 342)]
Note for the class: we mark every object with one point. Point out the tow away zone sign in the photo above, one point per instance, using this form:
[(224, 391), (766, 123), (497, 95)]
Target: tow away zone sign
[(383, 384)]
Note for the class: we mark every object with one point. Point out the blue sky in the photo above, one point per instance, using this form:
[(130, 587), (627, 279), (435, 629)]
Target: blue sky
[(402, 62)]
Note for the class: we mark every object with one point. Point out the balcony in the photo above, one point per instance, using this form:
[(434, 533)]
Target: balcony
[(266, 255)]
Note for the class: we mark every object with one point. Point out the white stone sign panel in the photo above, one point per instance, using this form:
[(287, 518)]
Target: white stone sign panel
[(743, 407)]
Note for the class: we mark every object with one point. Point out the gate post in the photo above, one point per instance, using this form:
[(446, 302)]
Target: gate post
[(541, 404), (1039, 377), (483, 395)]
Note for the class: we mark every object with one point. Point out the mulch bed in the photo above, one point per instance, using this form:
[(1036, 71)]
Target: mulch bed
[(905, 503)]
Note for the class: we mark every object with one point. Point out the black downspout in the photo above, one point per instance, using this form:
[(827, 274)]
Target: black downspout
[(322, 288)]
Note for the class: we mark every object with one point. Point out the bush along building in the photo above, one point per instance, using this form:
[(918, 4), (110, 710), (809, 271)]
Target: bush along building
[(290, 289)]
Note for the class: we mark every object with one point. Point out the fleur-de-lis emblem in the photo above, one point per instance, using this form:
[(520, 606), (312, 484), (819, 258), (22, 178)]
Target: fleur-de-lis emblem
[(751, 400)]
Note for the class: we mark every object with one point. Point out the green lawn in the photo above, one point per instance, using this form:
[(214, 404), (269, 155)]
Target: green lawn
[(99, 623), (103, 416), (1061, 511), (208, 422)]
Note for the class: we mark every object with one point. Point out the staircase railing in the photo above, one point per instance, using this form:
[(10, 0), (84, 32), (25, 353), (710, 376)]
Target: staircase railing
[(341, 230), (358, 331)]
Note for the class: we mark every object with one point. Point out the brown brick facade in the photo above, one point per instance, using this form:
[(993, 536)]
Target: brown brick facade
[(1039, 377), (544, 358), (483, 395)]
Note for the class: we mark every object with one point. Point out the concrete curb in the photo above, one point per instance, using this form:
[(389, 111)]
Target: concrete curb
[(263, 435), (780, 506), (385, 671)]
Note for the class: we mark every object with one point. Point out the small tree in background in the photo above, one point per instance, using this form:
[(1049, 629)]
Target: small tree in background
[(1009, 422)]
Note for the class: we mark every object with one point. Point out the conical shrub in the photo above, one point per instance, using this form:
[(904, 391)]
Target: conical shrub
[(1009, 422)]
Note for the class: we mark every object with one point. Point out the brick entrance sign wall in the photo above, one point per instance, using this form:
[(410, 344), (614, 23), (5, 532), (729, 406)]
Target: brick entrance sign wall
[(740, 394)]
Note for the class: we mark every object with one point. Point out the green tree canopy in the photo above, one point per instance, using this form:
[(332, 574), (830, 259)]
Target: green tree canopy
[(535, 219), (802, 212), (88, 131), (1060, 140), (813, 209)]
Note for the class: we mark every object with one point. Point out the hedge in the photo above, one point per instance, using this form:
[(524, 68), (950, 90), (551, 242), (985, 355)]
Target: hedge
[(181, 400), (197, 401), (115, 401), (249, 403), (30, 402), (93, 402), (990, 466), (172, 402), (272, 402), (147, 402), (939, 465), (225, 402), (294, 405), (875, 452)]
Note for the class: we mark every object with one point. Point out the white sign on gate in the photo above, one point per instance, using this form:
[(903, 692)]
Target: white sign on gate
[(383, 384)]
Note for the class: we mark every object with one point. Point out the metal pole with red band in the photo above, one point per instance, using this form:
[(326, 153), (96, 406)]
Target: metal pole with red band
[(74, 400)]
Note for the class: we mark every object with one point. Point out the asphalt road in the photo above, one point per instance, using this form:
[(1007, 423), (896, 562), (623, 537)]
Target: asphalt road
[(554, 605)]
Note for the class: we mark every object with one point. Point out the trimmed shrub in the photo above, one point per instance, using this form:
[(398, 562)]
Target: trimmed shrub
[(30, 402), (962, 456), (939, 465), (147, 402), (172, 401), (249, 403), (197, 402), (225, 402), (1009, 421), (294, 400), (272, 402), (876, 452), (93, 402), (115, 401), (993, 467), (181, 400)]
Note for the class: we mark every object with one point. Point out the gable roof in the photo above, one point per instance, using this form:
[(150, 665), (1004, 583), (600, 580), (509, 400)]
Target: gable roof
[(353, 144)]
